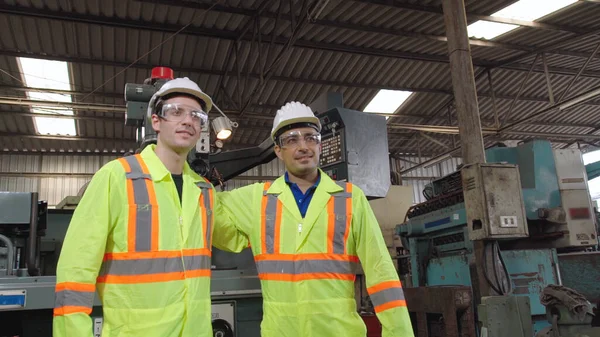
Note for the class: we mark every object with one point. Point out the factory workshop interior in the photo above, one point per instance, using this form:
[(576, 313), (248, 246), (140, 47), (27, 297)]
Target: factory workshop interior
[(471, 126)]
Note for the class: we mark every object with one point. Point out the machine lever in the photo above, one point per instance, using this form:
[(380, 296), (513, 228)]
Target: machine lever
[(32, 242)]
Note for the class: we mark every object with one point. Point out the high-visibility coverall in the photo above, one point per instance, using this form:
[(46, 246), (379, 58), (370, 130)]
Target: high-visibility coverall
[(307, 266), (146, 254)]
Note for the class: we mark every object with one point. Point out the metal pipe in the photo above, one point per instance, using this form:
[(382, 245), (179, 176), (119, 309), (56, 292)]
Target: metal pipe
[(32, 241), (563, 105), (10, 256), (574, 79), (548, 82)]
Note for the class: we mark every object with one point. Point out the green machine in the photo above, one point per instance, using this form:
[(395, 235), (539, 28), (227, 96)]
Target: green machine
[(531, 206)]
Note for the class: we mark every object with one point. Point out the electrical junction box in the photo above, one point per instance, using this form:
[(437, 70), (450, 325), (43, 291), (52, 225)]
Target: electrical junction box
[(494, 201), (495, 311), (579, 223), (223, 319)]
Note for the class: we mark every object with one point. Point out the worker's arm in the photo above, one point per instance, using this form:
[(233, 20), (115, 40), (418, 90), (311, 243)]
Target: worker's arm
[(233, 211), (383, 284), (80, 259)]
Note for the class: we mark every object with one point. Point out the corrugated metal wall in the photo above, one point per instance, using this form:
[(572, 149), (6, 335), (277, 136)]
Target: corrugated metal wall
[(58, 176), (55, 177), (418, 178)]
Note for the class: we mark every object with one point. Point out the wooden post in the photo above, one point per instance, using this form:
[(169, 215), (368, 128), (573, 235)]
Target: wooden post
[(463, 82), (467, 111)]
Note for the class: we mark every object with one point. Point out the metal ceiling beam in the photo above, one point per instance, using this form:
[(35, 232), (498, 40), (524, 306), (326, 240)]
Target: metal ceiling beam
[(62, 92), (227, 35), (375, 86), (334, 24), (389, 3), (70, 138), (474, 16)]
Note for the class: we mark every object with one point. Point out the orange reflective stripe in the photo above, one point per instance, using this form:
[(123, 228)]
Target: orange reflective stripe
[(133, 279), (348, 216), (383, 286), (154, 267), (154, 225), (309, 256), (204, 218), (277, 227), (132, 208), (387, 295), (75, 286), (331, 225), (306, 277), (73, 297), (198, 273), (143, 227), (212, 218), (158, 254), (66, 310), (390, 305)]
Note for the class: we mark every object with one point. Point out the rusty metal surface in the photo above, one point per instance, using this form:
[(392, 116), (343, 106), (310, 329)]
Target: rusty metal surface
[(581, 272), (441, 311)]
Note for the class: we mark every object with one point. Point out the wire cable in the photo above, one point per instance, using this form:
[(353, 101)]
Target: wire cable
[(151, 50)]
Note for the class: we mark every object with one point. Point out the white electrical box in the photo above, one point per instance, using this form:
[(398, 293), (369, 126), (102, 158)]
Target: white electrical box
[(579, 226), (494, 201), (223, 319)]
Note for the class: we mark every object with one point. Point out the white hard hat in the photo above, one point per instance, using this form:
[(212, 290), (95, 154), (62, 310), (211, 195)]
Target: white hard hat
[(180, 85), (293, 113)]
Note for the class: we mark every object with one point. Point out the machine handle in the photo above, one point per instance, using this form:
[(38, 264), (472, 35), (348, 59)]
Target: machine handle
[(11, 255), (32, 242)]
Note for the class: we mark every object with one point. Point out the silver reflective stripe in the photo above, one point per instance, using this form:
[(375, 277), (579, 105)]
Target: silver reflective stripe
[(141, 266), (306, 266), (203, 184), (340, 211), (74, 298), (386, 296), (206, 195), (143, 218), (270, 216), (196, 262)]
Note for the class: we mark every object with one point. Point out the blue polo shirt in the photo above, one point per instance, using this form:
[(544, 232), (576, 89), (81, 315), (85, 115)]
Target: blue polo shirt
[(302, 199)]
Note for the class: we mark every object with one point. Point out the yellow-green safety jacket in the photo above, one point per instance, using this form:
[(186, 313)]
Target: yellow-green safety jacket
[(307, 266), (145, 253)]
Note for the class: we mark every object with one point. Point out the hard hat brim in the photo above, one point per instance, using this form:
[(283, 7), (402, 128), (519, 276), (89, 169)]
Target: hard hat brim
[(201, 96), (311, 120)]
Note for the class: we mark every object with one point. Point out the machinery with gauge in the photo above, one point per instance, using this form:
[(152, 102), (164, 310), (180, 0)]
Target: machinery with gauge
[(531, 206)]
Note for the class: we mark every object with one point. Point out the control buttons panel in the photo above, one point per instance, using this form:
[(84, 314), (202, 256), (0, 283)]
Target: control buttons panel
[(331, 152)]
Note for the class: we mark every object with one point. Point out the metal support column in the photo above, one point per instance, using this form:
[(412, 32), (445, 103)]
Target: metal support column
[(467, 111)]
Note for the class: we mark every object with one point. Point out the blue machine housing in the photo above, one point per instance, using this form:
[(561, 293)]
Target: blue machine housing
[(537, 169), (437, 236)]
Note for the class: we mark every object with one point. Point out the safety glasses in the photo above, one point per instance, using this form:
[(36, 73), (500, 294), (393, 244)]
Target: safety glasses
[(293, 139), (177, 112)]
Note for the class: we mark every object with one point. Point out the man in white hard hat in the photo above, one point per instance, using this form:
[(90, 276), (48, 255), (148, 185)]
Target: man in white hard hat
[(141, 235), (308, 235)]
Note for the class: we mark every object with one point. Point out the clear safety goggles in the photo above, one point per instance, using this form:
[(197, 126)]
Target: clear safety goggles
[(294, 138), (177, 112)]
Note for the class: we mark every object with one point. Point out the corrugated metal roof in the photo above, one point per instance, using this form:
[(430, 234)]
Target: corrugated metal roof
[(354, 47)]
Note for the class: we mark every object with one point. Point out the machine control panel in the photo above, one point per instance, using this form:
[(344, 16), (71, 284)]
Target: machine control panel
[(331, 152)]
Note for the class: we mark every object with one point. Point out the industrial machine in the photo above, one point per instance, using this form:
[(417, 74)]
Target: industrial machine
[(32, 234), (530, 204)]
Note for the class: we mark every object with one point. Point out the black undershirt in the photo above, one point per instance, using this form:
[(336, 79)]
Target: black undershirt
[(178, 179)]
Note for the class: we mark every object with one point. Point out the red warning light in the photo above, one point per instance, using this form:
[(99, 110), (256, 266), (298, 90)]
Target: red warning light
[(162, 72)]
